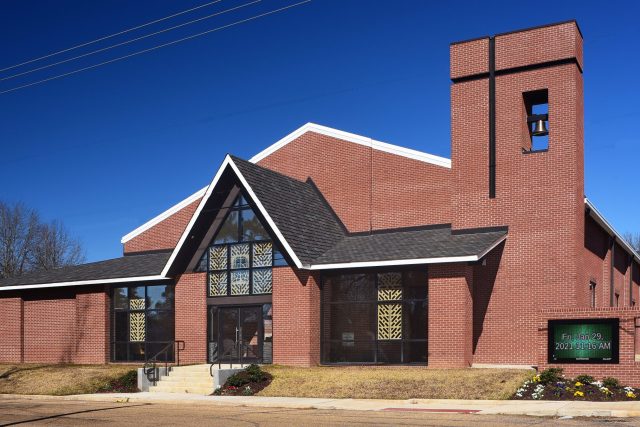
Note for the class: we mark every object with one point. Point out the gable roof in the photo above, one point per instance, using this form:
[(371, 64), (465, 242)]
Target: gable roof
[(356, 139), (130, 268), (314, 238), (297, 209), (309, 127)]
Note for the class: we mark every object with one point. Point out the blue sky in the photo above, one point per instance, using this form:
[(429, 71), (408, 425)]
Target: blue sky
[(107, 149)]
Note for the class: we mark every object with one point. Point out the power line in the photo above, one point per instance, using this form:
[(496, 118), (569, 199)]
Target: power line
[(129, 41), (157, 47), (111, 35)]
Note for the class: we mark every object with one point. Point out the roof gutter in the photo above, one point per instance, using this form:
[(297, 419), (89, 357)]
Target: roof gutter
[(85, 282)]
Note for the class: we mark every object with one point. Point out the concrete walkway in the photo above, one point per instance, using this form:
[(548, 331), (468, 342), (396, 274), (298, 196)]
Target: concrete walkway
[(493, 407)]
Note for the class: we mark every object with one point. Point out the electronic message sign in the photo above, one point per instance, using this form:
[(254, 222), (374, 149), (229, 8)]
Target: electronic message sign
[(583, 341)]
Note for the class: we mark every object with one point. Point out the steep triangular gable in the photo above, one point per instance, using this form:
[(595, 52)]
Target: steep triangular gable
[(301, 222)]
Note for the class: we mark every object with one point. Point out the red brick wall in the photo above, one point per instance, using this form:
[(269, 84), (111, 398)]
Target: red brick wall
[(165, 234), (55, 326), (539, 196), (296, 317), (50, 326), (627, 371), (595, 265), (191, 316), (93, 326), (450, 322), (366, 187), (10, 328)]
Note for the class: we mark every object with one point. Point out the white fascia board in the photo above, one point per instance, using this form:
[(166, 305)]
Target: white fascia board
[(357, 139), (602, 221), (196, 214), (164, 215), (229, 162), (417, 261), (85, 282)]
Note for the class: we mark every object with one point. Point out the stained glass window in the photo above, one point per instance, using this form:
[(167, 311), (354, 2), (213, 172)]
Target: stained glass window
[(262, 281), (142, 322), (240, 282), (242, 254), (374, 317)]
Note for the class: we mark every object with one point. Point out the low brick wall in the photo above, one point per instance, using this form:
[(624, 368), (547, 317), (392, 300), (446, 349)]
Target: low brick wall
[(627, 370)]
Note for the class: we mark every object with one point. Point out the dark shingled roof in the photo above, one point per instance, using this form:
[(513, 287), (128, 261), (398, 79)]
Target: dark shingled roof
[(409, 244), (117, 268), (297, 208)]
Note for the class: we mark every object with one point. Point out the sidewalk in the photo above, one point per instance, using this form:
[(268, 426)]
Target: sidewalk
[(494, 407)]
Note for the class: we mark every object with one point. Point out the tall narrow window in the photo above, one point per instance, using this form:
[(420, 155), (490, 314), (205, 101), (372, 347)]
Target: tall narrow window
[(143, 322), (241, 255), (592, 293)]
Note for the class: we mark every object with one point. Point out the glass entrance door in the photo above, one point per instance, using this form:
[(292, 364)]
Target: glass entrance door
[(235, 334)]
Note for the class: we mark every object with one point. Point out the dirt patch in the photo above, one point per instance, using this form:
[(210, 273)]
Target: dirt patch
[(393, 382), (65, 379)]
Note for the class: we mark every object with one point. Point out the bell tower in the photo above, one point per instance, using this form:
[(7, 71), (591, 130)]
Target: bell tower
[(518, 161)]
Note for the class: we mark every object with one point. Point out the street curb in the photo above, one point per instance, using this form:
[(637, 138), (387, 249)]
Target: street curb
[(480, 407)]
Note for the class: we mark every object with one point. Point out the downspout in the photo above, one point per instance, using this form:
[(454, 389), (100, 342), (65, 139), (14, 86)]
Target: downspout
[(611, 268), (492, 117), (630, 280)]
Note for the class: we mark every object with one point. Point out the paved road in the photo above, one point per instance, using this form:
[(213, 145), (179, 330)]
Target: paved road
[(74, 413)]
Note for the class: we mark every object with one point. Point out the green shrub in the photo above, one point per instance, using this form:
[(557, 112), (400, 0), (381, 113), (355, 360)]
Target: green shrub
[(551, 375), (585, 379), (255, 373), (236, 380), (610, 383), (247, 391)]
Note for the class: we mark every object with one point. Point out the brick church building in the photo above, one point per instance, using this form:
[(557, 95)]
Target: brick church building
[(332, 248)]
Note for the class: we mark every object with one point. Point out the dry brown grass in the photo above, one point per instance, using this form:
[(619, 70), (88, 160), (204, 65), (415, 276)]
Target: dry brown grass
[(57, 379), (369, 382)]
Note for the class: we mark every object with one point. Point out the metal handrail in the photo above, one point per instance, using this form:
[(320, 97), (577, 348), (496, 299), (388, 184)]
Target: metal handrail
[(150, 368), (237, 346)]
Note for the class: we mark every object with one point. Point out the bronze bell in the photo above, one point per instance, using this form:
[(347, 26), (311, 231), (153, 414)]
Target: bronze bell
[(540, 129)]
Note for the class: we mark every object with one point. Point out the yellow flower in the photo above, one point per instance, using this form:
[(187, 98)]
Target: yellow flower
[(536, 378), (631, 395), (578, 394), (579, 384)]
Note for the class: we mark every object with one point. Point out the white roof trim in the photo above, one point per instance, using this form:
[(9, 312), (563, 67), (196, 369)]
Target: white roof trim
[(229, 162), (601, 220), (309, 127), (417, 261), (83, 283), (164, 215), (357, 139)]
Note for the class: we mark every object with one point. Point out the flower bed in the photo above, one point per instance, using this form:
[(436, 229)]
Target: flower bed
[(550, 384), (245, 383)]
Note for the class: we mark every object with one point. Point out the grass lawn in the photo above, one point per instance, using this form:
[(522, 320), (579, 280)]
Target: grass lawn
[(377, 382), (58, 379)]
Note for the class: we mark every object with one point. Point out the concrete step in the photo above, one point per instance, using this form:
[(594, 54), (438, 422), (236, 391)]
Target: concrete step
[(191, 390)]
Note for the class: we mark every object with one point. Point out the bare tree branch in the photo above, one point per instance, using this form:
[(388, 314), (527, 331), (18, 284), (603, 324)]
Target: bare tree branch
[(27, 244), (633, 239)]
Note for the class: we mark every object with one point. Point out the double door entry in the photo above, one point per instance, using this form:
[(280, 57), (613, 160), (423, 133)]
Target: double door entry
[(236, 334)]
